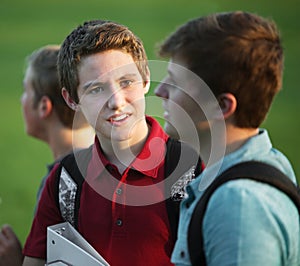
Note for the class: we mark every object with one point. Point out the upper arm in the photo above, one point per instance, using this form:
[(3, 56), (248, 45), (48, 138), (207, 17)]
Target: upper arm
[(29, 261), (47, 214)]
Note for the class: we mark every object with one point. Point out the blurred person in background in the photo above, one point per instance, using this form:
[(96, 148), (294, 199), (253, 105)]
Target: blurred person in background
[(47, 118)]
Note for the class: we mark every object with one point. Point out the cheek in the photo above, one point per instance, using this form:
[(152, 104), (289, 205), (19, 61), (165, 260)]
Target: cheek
[(135, 98), (137, 94), (27, 100), (92, 112), (31, 120), (140, 100), (177, 102), (139, 106), (183, 108), (194, 110)]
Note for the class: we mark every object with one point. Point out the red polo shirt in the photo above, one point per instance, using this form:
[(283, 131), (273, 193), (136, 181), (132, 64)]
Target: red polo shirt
[(123, 216)]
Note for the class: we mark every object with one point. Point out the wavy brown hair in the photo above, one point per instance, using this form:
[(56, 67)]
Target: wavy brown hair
[(236, 52), (95, 37)]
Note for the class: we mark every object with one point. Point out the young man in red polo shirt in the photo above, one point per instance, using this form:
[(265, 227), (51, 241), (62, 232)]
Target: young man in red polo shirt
[(123, 212)]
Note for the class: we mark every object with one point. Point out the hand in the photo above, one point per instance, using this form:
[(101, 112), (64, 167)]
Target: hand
[(10, 248)]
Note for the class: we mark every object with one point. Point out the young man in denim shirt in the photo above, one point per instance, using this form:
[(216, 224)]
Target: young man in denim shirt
[(239, 56)]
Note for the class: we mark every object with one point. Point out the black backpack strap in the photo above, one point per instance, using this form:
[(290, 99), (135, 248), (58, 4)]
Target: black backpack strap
[(182, 164), (253, 170), (70, 177)]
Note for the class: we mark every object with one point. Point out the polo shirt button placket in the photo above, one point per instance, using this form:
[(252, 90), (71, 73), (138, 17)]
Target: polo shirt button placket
[(119, 222), (182, 254), (119, 191)]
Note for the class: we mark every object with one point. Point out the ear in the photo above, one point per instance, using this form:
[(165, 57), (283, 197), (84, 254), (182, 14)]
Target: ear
[(146, 86), (68, 99), (45, 107), (147, 83), (228, 104)]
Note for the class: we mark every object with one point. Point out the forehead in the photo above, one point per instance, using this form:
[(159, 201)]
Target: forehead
[(108, 63), (28, 77), (175, 66), (180, 73), (179, 67), (187, 80)]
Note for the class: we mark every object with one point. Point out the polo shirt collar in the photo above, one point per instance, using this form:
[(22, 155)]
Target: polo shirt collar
[(148, 161), (152, 156), (255, 148)]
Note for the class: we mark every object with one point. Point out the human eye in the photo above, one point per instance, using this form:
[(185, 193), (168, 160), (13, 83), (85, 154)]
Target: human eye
[(96, 90), (126, 83), (169, 81)]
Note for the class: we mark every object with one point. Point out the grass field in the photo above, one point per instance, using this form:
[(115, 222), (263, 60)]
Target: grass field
[(27, 25)]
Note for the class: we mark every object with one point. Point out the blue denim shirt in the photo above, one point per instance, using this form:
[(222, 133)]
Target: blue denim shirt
[(246, 223)]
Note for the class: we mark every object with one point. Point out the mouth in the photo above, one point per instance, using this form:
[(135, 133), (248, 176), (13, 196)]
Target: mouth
[(118, 118)]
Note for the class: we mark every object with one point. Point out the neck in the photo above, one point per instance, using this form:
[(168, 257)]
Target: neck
[(64, 140), (83, 137), (223, 142), (122, 153), (236, 137)]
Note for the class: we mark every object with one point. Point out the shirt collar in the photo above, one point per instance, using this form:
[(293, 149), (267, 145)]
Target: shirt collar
[(152, 155), (254, 148), (148, 160)]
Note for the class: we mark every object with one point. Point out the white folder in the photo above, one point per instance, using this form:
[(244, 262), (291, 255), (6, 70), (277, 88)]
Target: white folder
[(65, 246)]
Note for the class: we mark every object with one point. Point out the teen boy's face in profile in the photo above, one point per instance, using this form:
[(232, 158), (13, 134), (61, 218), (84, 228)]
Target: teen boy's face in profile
[(30, 111), (184, 96), (111, 93)]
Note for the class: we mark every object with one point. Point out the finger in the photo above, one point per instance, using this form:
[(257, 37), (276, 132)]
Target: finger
[(8, 232), (3, 239)]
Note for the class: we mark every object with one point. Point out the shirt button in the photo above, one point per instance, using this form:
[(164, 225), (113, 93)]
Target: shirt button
[(119, 222), (182, 254), (119, 191)]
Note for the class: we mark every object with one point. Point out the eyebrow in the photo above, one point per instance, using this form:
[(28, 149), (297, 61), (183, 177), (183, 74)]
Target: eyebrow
[(126, 76), (91, 83)]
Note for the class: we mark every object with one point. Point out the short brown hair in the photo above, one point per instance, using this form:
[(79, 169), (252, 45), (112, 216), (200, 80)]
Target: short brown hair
[(45, 81), (235, 52), (94, 37)]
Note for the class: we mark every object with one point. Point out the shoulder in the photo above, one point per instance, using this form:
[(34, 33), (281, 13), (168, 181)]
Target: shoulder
[(53, 173), (245, 199)]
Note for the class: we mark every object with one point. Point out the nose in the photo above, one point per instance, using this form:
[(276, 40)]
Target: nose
[(117, 99), (161, 90)]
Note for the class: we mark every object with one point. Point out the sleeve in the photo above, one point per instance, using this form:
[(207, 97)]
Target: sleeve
[(248, 223), (47, 214)]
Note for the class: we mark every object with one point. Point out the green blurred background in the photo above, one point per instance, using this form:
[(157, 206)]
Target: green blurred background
[(27, 25)]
